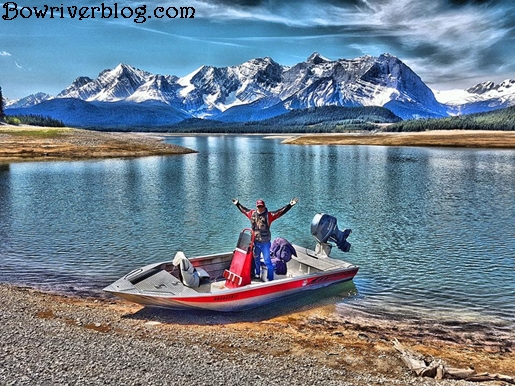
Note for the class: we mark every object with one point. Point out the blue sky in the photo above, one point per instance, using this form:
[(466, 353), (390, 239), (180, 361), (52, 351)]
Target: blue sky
[(449, 44)]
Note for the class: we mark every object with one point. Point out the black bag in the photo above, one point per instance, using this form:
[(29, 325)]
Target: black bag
[(280, 268)]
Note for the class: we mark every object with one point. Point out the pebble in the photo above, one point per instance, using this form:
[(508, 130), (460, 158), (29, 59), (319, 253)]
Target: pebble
[(61, 350)]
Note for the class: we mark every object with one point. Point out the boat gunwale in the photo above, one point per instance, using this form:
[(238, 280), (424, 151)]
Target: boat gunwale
[(237, 290), (239, 298)]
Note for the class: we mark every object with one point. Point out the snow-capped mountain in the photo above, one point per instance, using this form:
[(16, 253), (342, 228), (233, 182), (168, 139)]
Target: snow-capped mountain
[(486, 96), (110, 85), (262, 88), (156, 88), (28, 101)]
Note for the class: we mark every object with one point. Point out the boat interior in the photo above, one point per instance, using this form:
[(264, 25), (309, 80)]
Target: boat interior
[(223, 272)]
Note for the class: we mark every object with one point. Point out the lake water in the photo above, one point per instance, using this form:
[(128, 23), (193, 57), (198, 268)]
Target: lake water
[(433, 229)]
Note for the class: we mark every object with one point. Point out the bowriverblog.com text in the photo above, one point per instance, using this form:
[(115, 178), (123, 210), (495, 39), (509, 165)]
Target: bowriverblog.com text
[(140, 14)]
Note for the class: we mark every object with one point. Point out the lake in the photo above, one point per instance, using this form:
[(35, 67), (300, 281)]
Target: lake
[(433, 228)]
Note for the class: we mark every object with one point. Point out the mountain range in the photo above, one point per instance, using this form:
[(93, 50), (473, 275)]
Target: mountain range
[(254, 91)]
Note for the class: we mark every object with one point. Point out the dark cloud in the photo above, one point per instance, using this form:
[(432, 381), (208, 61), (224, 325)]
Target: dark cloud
[(470, 2), (292, 4)]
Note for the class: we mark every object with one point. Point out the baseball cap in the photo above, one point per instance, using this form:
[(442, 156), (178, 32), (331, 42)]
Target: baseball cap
[(260, 203)]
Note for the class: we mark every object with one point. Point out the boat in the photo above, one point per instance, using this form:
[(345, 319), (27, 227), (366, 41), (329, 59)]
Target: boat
[(224, 281)]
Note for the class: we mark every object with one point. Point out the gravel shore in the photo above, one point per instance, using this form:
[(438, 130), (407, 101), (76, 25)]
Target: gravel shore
[(56, 340)]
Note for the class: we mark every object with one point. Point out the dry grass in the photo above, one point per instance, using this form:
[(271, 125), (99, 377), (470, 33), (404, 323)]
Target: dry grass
[(451, 138), (43, 143)]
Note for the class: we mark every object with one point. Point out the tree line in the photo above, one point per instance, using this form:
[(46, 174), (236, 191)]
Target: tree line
[(2, 105), (32, 119), (503, 119), (324, 119)]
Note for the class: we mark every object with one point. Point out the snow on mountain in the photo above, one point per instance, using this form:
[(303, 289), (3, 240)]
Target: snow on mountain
[(364, 81), (209, 91), (482, 97), (28, 101), (158, 88), (451, 97), (262, 88), (110, 86)]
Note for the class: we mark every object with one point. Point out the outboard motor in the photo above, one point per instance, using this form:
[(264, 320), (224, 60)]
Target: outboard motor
[(189, 274), (324, 228)]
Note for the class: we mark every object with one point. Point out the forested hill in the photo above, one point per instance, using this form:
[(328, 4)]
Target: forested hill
[(503, 119), (313, 120), (332, 115)]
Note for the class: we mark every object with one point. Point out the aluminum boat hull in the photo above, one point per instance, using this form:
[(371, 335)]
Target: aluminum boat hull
[(159, 285)]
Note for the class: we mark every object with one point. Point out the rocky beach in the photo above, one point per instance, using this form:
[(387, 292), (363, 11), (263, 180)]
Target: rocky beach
[(49, 339)]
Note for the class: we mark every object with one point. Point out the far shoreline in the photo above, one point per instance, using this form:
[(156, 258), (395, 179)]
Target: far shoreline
[(32, 143), (438, 138), (432, 138)]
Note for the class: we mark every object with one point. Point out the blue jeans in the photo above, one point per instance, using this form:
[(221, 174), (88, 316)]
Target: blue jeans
[(263, 248)]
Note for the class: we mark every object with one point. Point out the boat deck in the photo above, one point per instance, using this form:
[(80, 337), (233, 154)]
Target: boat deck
[(166, 281)]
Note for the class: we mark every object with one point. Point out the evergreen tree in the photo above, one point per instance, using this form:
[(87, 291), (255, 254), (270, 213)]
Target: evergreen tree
[(2, 115)]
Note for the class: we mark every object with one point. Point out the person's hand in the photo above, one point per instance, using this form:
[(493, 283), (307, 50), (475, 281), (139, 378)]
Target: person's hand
[(294, 201), (235, 201)]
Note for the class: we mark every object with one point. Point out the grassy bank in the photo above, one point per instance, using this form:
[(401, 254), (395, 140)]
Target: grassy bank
[(441, 138), (47, 143)]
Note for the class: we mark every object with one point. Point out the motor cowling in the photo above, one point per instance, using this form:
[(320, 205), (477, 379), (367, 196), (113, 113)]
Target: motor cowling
[(324, 228)]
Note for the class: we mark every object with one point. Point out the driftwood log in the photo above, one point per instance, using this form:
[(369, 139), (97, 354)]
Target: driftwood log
[(435, 368)]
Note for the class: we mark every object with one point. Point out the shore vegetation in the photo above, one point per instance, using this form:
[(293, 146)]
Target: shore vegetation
[(498, 120)]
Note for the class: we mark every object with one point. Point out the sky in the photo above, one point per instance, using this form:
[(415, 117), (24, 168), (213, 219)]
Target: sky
[(450, 44)]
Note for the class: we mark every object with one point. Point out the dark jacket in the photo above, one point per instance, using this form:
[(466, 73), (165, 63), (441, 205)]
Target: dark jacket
[(282, 249), (260, 222)]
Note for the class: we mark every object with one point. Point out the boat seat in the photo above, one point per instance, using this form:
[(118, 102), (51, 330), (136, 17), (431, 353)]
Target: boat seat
[(238, 273), (191, 276), (234, 279), (202, 274)]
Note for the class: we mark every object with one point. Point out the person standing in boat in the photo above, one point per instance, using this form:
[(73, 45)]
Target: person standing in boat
[(261, 219)]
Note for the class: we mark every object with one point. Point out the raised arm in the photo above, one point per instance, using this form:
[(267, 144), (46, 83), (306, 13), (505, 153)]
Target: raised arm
[(279, 212), (246, 211)]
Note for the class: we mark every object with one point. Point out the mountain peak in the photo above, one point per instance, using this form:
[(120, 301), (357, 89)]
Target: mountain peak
[(316, 58), (30, 100), (481, 88), (266, 61), (81, 81), (507, 83)]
